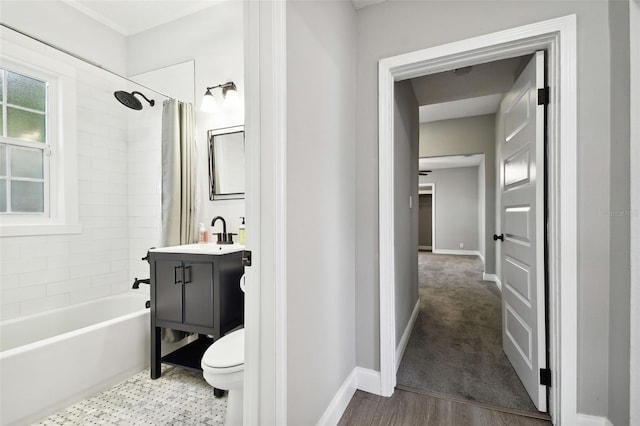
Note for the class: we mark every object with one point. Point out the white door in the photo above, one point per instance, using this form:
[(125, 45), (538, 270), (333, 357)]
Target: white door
[(522, 211)]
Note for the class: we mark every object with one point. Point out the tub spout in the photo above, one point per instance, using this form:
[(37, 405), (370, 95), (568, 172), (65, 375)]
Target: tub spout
[(137, 282)]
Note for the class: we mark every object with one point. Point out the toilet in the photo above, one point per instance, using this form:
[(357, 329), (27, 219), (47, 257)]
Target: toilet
[(223, 368)]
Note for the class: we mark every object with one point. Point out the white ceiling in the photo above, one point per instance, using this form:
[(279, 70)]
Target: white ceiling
[(449, 161), (461, 108), (130, 17)]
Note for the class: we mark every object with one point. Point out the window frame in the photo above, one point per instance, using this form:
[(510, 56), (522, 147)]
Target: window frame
[(50, 115), (61, 153)]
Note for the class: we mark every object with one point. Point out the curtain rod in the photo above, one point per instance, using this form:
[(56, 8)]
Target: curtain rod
[(81, 58)]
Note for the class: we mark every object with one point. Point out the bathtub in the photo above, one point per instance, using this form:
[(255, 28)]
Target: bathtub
[(54, 359)]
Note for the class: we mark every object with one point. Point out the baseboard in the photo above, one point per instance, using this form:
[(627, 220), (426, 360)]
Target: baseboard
[(407, 333), (458, 252), (368, 380), (494, 278), (424, 247), (340, 401), (588, 420)]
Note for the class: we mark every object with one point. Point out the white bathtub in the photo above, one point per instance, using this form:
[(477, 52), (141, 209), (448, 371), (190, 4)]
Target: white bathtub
[(51, 360)]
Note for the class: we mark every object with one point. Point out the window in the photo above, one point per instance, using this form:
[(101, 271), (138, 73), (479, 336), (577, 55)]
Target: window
[(38, 141), (24, 144)]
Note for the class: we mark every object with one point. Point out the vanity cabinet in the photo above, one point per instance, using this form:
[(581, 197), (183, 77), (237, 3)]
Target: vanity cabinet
[(194, 293)]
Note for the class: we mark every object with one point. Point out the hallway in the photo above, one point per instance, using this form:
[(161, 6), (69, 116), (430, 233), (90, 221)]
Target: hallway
[(455, 348)]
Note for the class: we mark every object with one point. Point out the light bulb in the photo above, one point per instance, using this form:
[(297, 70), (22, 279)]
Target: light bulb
[(232, 99), (208, 102)]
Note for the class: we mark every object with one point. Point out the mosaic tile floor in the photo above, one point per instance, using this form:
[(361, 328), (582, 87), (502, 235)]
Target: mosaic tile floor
[(178, 397)]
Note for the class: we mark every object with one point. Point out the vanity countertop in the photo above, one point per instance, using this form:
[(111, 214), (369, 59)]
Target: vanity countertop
[(206, 248)]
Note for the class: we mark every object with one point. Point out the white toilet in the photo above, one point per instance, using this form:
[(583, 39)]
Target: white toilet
[(223, 368)]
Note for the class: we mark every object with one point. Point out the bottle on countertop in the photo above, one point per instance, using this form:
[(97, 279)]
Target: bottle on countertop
[(202, 234), (241, 231)]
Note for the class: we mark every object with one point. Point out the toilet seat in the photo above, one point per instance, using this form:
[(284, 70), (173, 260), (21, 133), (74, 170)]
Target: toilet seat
[(225, 355)]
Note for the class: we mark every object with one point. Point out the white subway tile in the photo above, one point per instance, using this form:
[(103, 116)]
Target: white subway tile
[(14, 295), (9, 281), (89, 270), (67, 286), (9, 311), (87, 294), (44, 277)]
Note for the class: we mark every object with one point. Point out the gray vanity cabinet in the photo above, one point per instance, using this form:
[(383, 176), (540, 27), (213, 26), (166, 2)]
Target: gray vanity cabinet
[(194, 293)]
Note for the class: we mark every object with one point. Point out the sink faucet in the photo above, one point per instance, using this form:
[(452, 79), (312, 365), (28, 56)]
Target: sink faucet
[(223, 237)]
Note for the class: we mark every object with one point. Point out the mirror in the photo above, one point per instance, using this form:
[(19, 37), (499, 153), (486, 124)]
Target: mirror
[(226, 163)]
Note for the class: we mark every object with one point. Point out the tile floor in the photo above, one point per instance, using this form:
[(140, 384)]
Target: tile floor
[(178, 397)]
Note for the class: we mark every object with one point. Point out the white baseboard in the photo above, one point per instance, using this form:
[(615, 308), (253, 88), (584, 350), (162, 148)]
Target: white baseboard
[(494, 278), (458, 252), (340, 401), (588, 420), (368, 380), (407, 333)]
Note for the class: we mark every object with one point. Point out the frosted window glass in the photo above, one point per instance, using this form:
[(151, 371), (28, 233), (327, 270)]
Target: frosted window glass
[(27, 197), (26, 92), (25, 125), (3, 160), (3, 195), (1, 83), (26, 163)]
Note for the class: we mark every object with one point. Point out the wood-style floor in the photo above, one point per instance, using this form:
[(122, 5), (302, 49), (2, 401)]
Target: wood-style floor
[(409, 409)]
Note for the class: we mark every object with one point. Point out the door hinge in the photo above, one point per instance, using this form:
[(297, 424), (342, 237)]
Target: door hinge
[(246, 258), (545, 377), (543, 96)]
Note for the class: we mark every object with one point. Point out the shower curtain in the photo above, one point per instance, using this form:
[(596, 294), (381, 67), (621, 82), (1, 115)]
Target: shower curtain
[(178, 177), (178, 182)]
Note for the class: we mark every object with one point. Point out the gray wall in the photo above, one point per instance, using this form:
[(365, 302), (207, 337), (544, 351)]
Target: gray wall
[(396, 27), (321, 72), (619, 219), (406, 218), (470, 135), (456, 200)]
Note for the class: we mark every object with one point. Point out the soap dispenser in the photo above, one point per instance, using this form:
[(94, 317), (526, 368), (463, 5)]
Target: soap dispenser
[(241, 231), (202, 234)]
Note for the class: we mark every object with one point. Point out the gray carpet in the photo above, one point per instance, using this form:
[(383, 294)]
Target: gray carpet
[(456, 344)]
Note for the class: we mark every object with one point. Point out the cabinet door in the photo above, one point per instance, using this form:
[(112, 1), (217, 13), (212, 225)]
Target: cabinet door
[(168, 298), (198, 294)]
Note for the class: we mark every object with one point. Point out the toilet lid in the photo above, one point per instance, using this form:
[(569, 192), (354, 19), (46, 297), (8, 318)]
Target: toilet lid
[(226, 352)]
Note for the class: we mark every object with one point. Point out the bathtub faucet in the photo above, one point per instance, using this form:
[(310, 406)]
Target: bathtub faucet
[(137, 282)]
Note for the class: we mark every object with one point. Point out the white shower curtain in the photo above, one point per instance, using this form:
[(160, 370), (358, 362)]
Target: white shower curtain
[(178, 173), (178, 182)]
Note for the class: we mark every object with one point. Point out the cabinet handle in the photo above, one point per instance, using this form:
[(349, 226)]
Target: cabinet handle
[(177, 277), (187, 278)]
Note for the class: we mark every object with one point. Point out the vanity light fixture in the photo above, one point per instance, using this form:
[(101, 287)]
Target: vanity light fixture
[(229, 93)]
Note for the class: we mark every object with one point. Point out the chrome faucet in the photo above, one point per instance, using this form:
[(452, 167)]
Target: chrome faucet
[(223, 237)]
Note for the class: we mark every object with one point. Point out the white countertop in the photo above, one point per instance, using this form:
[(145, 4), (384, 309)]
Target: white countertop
[(206, 248)]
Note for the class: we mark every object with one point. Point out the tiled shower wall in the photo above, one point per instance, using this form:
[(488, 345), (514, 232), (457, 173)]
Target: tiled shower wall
[(118, 207)]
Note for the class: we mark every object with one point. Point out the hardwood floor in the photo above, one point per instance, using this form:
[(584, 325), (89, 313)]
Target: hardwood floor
[(409, 409)]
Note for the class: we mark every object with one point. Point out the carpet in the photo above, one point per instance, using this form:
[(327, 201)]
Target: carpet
[(456, 344)]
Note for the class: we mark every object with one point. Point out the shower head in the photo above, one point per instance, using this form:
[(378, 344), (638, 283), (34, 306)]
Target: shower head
[(129, 100)]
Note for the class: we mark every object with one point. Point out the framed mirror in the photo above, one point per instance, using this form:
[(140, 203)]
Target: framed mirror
[(226, 163)]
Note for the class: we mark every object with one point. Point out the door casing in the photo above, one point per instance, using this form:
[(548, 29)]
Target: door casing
[(558, 37)]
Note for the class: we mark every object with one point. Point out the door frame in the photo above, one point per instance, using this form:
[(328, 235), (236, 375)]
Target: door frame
[(558, 37), (265, 373), (634, 111)]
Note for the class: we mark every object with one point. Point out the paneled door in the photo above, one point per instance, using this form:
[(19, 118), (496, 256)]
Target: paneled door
[(523, 222)]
